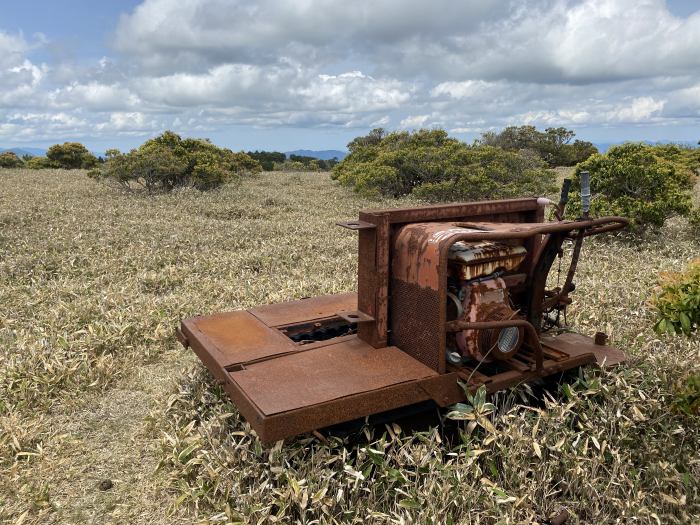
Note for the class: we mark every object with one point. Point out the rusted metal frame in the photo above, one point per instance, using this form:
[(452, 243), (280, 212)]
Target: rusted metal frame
[(443, 389), (373, 280), (453, 211), (373, 276), (207, 353), (538, 278), (606, 228), (544, 228), (367, 283), (458, 326), (552, 301)]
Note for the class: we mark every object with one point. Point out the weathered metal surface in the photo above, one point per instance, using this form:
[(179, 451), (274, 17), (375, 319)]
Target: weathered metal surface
[(476, 259), (299, 366), (305, 309), (573, 344), (324, 374), (236, 337)]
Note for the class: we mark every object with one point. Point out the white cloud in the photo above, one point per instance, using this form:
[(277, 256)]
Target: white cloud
[(414, 121), (204, 65)]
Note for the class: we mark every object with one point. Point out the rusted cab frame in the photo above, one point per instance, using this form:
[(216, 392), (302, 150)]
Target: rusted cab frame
[(384, 347)]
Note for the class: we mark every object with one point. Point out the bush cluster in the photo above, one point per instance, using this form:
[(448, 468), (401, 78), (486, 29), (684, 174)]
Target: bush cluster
[(647, 184), (267, 159), (39, 163), (9, 159), (169, 161), (431, 165), (70, 156), (553, 145), (677, 301), (277, 161)]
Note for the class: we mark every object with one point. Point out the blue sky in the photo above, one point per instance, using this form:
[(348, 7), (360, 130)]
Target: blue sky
[(314, 74)]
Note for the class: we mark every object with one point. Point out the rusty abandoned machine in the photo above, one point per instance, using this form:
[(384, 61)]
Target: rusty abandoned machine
[(446, 294)]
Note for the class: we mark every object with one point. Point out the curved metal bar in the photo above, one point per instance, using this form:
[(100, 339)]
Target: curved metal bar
[(606, 224), (458, 326)]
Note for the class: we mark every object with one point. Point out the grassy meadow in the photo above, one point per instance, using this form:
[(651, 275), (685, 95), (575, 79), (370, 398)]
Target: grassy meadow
[(94, 386)]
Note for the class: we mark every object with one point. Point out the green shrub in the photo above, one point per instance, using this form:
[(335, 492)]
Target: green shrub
[(169, 161), (39, 163), (267, 159), (435, 167), (71, 156), (553, 145), (687, 395), (677, 301), (647, 184), (9, 159)]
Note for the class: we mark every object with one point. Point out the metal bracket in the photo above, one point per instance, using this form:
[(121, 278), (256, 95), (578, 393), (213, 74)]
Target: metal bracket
[(356, 225), (355, 316)]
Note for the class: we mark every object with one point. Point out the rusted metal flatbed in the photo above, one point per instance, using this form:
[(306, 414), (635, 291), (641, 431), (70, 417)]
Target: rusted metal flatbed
[(284, 389)]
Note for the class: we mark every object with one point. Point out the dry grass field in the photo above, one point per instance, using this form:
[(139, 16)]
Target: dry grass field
[(94, 387)]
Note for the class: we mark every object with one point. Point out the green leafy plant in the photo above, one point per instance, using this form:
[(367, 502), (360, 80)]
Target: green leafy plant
[(647, 184), (433, 166), (687, 395), (169, 161), (476, 410), (678, 301)]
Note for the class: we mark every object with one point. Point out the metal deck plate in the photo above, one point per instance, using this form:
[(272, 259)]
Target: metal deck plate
[(324, 374), (236, 337), (305, 309)]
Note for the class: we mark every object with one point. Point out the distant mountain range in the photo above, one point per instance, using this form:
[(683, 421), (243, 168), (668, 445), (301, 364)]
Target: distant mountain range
[(34, 152), (326, 154)]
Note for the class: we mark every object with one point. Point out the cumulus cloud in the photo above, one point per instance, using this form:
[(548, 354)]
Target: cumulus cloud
[(203, 65)]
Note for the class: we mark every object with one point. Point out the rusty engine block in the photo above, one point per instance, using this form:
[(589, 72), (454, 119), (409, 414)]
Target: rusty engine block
[(446, 294)]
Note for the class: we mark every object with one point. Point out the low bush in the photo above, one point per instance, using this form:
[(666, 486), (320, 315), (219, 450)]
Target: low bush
[(432, 166), (647, 184), (9, 159), (677, 301), (39, 163), (71, 156), (169, 161)]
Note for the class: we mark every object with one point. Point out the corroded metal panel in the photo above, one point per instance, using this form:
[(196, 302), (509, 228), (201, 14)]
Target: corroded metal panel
[(324, 374), (311, 308), (237, 337)]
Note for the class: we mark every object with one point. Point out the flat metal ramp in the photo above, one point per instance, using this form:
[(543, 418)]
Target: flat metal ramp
[(309, 389)]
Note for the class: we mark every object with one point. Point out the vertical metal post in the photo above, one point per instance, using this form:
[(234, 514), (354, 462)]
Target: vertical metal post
[(585, 194)]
